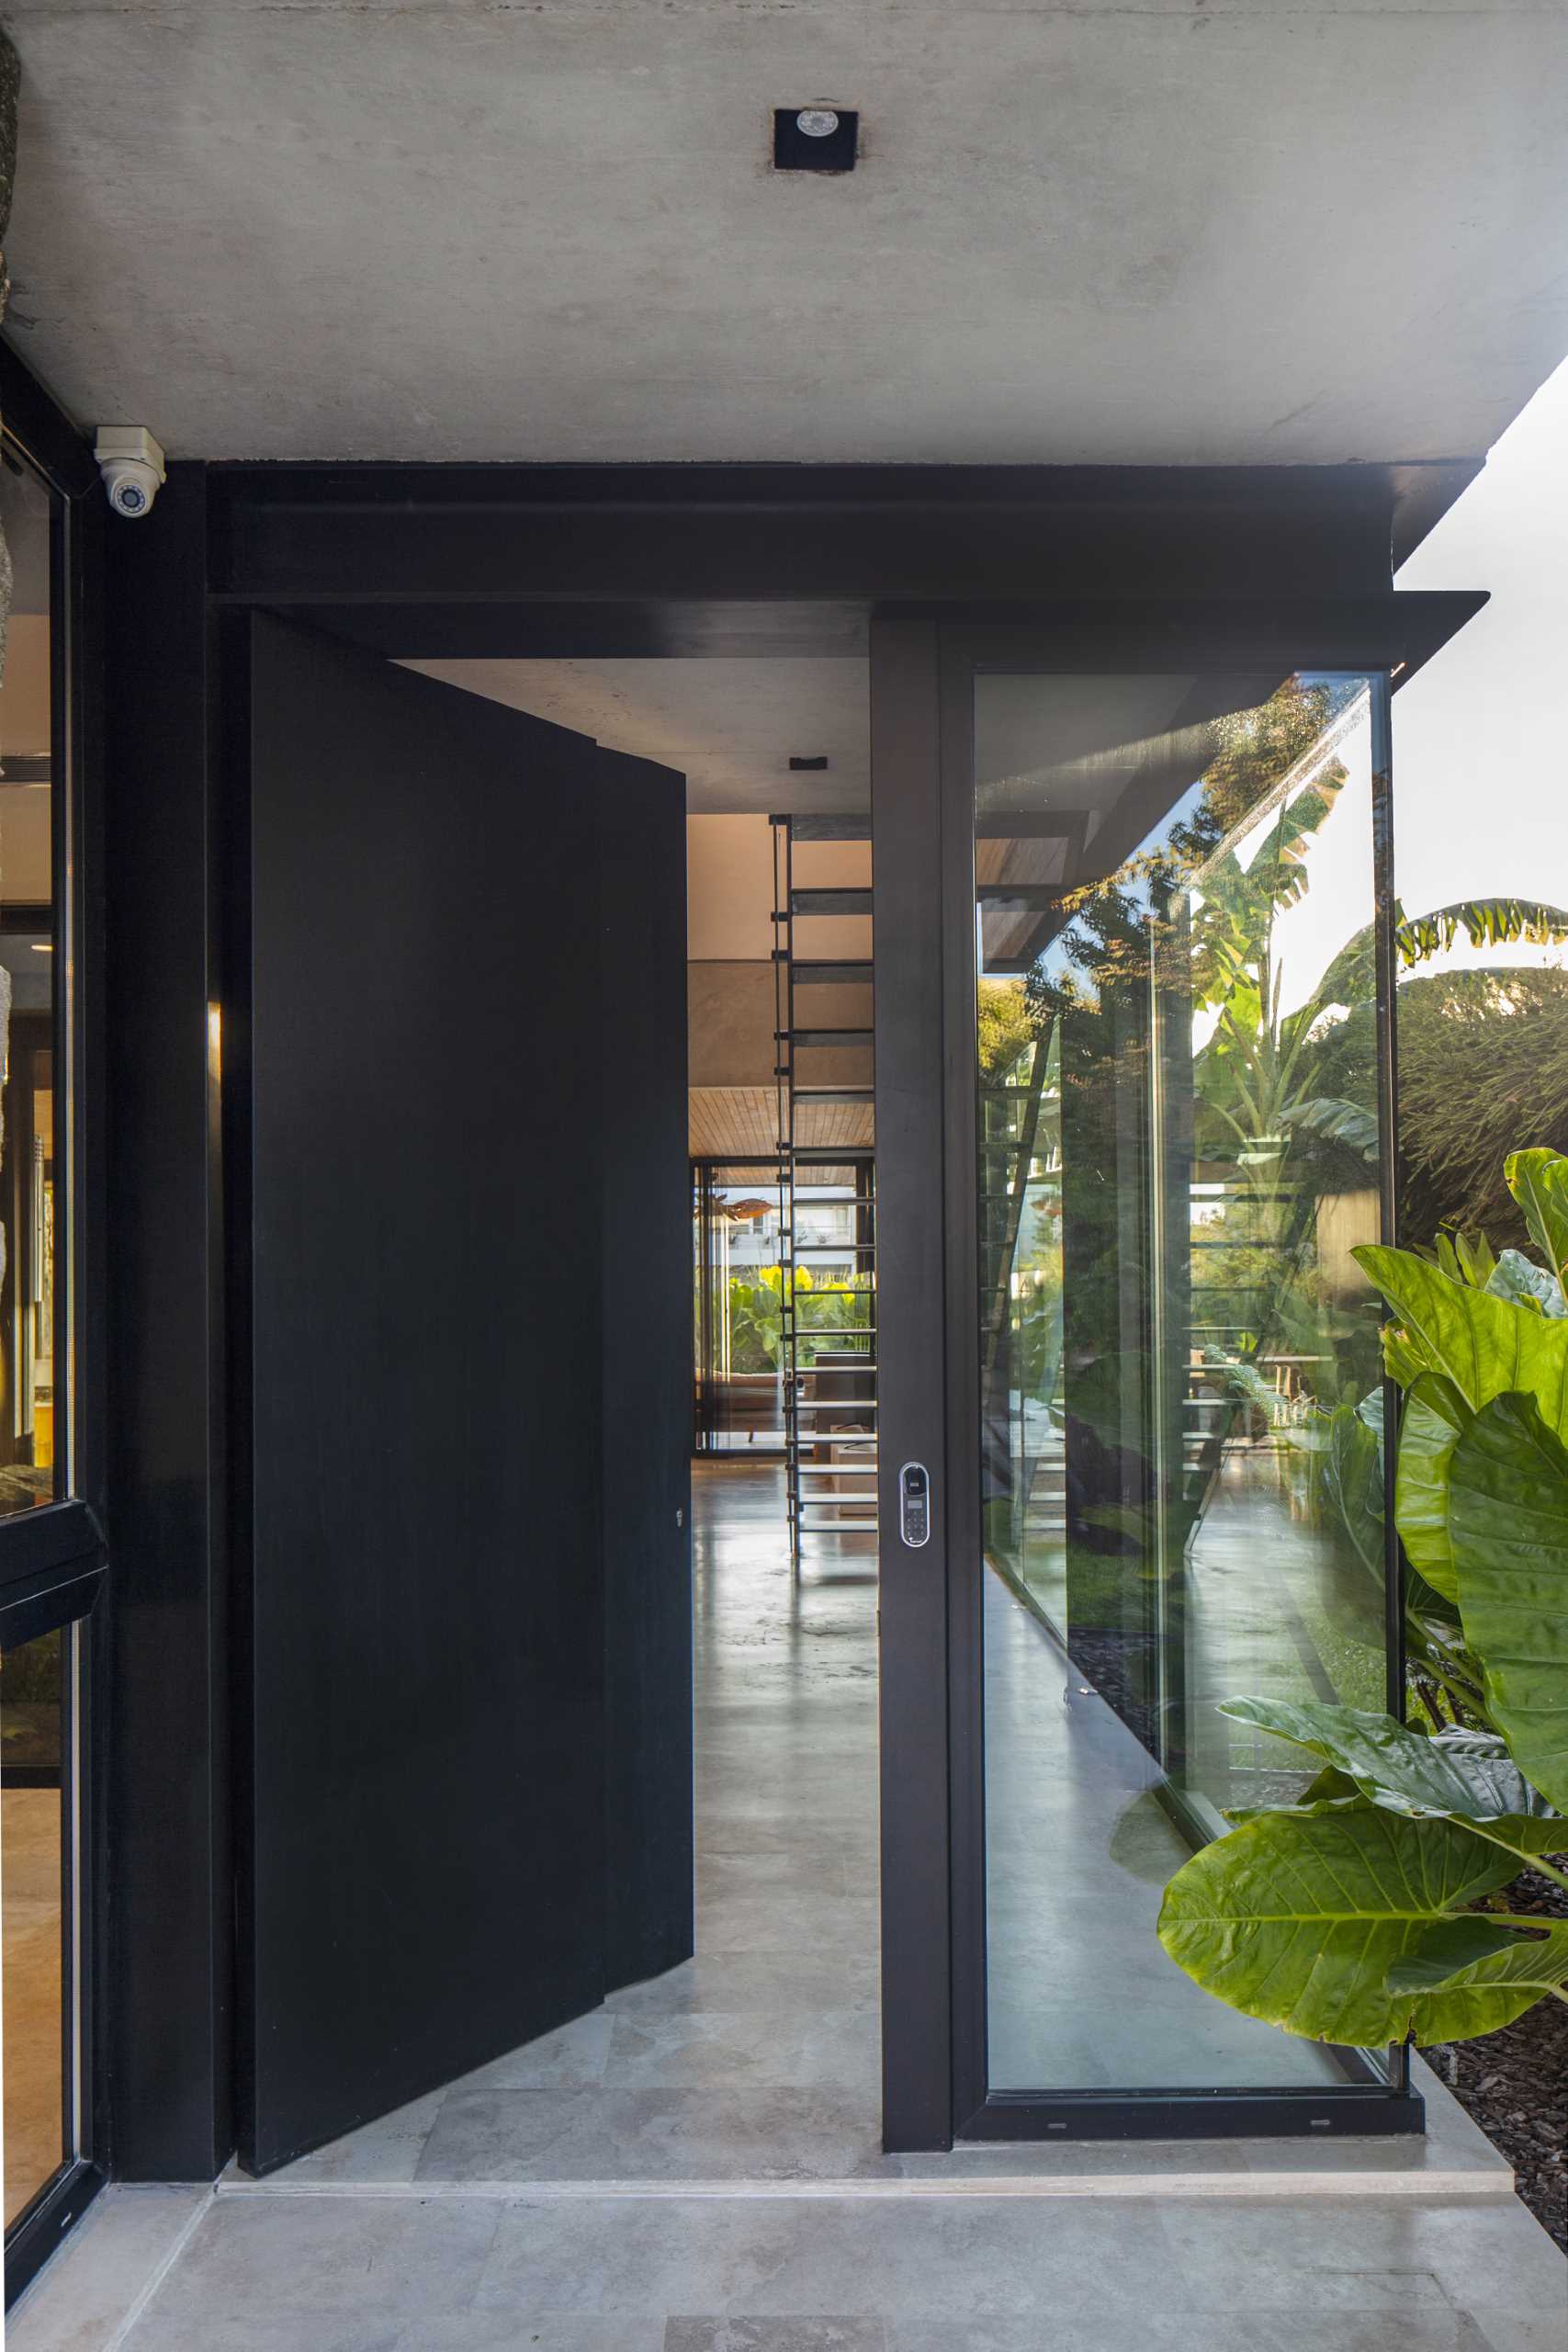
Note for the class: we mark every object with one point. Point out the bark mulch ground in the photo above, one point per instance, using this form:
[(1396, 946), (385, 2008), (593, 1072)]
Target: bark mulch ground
[(1515, 2083)]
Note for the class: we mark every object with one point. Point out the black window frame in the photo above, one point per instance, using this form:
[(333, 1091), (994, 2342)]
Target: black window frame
[(54, 1558), (1120, 643)]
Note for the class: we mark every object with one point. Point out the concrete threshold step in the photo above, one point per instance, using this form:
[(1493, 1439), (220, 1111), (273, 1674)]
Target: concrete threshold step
[(1240, 2185)]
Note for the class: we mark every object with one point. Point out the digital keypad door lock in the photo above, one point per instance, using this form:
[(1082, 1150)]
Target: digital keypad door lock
[(914, 1503)]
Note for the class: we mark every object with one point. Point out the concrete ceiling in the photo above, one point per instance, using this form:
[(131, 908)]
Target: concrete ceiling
[(1257, 230), (729, 725)]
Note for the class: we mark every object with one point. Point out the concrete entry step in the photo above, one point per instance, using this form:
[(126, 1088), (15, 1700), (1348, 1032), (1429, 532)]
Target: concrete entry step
[(344, 2269)]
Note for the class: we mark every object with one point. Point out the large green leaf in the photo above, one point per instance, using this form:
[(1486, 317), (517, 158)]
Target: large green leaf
[(1298, 1919), (1467, 1257), (1470, 1779), (1403, 1363), (1539, 1181), (1478, 1951), (1518, 1278), (1352, 1478), (1435, 1415), (1508, 1514), (1487, 1346)]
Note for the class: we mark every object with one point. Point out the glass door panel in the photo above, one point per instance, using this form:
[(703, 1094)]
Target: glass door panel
[(35, 1872), (30, 1466), (737, 1313), (1176, 1070), (42, 1658)]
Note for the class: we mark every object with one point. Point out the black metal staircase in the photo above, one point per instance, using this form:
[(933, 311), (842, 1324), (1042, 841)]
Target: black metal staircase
[(827, 1164)]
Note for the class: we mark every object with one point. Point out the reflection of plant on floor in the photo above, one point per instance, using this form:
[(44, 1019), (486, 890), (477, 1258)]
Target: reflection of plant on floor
[(1370, 1908)]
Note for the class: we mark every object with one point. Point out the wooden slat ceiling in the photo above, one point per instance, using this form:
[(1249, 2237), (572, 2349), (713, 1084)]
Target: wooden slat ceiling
[(741, 1123)]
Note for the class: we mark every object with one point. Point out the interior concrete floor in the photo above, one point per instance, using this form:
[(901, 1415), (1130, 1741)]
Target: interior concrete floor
[(695, 2166)]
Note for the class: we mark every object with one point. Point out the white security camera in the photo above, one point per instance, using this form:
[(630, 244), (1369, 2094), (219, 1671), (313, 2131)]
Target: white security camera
[(131, 464)]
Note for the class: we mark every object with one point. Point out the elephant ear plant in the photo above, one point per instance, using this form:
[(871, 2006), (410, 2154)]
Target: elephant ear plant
[(1370, 1910)]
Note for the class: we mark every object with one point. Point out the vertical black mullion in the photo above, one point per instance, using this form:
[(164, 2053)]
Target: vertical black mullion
[(1386, 964), (966, 1694), (169, 1823), (64, 1055), (70, 1295), (917, 2018), (1387, 974), (80, 653)]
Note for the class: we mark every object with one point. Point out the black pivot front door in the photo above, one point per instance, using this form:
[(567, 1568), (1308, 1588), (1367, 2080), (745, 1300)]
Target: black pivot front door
[(432, 1610)]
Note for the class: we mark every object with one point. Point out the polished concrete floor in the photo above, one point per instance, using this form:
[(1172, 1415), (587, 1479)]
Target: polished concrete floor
[(1078, 1853), (760, 2058), (695, 2166)]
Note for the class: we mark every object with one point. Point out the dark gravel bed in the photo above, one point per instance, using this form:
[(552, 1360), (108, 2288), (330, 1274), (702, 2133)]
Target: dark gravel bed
[(1515, 2083)]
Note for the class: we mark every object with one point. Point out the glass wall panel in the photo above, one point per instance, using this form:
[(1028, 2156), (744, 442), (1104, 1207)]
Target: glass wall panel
[(1179, 1148), (737, 1314), (38, 1815), (27, 941)]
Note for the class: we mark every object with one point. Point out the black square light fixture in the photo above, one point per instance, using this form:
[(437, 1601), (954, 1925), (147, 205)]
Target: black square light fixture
[(814, 139)]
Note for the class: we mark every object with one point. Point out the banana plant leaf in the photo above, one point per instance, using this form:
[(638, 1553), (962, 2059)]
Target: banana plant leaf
[(1539, 1181), (1337, 1122), (1485, 1345), (1469, 1778), (1299, 1920), (1485, 923), (1480, 1949), (1434, 1418), (1509, 1513)]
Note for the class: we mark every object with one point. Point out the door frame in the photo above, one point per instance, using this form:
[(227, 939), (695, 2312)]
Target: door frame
[(489, 560), (937, 2084), (55, 1566)]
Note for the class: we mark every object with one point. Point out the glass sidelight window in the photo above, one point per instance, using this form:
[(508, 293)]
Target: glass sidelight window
[(1179, 1148), (30, 1228), (51, 1552), (35, 1862), (737, 1310)]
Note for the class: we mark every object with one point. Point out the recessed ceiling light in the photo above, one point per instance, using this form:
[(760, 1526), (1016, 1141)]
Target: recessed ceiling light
[(42, 946), (814, 139)]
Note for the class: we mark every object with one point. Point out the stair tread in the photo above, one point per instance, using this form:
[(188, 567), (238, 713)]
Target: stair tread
[(829, 828), (841, 899)]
